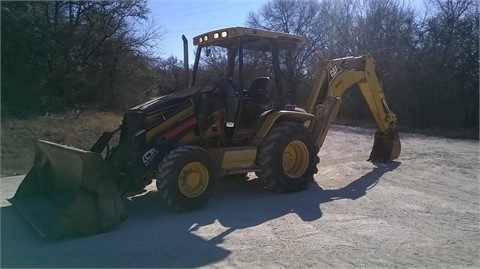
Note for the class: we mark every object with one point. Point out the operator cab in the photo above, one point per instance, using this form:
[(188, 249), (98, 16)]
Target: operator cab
[(246, 108)]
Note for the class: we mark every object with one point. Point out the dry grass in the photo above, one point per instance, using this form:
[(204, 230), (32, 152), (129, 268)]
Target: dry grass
[(18, 136)]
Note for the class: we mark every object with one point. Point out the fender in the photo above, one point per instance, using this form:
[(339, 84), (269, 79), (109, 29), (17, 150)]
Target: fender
[(274, 116)]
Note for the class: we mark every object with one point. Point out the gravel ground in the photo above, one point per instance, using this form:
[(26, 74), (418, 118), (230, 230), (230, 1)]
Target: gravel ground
[(421, 211)]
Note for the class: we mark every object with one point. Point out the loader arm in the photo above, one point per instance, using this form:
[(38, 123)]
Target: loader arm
[(335, 78)]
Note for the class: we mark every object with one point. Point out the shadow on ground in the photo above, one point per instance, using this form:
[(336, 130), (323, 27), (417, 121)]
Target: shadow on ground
[(154, 236)]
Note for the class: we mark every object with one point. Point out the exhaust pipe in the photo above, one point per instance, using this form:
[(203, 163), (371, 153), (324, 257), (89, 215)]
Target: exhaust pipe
[(185, 60)]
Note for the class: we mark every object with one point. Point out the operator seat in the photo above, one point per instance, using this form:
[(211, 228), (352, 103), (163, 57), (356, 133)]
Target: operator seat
[(258, 89), (255, 101)]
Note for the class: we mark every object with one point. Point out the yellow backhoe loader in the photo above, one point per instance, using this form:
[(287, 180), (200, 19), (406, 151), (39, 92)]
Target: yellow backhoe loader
[(189, 139)]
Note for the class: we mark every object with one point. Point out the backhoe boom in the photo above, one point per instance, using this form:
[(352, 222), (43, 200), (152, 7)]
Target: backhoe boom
[(336, 77)]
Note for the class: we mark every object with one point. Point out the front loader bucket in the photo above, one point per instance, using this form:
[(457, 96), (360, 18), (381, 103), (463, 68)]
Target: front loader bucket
[(68, 192), (386, 147)]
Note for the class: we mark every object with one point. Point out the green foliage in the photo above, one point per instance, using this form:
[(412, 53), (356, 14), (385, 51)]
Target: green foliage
[(65, 53)]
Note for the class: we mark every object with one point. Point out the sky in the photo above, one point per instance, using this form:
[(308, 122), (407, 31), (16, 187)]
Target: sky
[(192, 18)]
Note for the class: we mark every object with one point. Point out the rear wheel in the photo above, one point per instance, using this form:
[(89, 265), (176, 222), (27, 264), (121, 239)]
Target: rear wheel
[(186, 178), (288, 158)]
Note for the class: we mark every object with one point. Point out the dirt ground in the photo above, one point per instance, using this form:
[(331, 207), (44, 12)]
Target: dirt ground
[(420, 211)]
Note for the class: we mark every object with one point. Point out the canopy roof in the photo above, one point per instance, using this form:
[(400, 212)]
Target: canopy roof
[(254, 39)]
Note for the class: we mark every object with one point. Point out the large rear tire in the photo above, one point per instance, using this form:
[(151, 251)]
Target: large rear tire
[(288, 158), (186, 178)]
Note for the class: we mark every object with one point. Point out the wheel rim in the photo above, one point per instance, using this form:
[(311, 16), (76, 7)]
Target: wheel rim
[(193, 179), (295, 159)]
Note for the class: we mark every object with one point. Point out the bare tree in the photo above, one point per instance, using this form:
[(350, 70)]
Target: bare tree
[(448, 60), (428, 64), (301, 17)]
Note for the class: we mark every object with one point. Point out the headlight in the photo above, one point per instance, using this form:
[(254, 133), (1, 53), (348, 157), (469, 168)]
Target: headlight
[(224, 34)]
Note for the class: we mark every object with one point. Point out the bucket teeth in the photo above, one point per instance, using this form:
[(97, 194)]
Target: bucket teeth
[(386, 147)]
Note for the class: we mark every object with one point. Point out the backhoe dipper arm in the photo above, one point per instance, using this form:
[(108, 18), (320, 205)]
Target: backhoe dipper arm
[(335, 78)]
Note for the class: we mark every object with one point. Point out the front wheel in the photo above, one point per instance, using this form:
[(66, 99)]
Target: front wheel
[(287, 157), (186, 178)]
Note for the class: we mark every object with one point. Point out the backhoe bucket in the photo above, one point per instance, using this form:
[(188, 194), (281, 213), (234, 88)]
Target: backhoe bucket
[(386, 147), (68, 192)]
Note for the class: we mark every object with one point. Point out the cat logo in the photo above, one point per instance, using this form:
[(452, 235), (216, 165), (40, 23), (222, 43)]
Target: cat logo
[(149, 156)]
